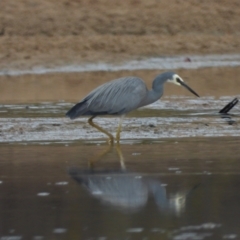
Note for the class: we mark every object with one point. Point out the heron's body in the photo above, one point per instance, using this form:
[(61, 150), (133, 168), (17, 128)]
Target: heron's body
[(117, 97), (121, 96)]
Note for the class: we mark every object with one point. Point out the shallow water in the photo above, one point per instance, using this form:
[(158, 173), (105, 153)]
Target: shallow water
[(168, 190)]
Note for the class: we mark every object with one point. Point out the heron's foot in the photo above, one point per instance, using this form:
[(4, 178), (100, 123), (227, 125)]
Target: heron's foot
[(118, 135), (111, 140)]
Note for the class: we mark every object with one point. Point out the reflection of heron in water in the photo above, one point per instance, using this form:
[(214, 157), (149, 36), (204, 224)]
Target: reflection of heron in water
[(128, 191)]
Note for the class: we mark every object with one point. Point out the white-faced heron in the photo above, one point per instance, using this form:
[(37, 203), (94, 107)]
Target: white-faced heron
[(121, 96)]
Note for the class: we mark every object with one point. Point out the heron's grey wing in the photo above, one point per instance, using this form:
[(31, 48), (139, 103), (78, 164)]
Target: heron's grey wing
[(117, 97)]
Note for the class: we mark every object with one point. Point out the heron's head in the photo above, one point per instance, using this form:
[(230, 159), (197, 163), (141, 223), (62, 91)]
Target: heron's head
[(176, 79)]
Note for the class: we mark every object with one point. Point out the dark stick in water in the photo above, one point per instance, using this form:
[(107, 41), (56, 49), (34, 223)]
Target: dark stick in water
[(229, 106)]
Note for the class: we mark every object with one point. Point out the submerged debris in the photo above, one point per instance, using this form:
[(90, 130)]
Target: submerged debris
[(229, 106)]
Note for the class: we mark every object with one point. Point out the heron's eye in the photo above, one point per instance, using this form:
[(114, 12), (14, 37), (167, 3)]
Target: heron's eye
[(178, 80)]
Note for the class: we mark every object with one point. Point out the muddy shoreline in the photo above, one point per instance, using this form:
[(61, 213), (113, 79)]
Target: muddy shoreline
[(170, 118)]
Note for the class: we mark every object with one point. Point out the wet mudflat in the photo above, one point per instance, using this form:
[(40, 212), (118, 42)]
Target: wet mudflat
[(172, 117)]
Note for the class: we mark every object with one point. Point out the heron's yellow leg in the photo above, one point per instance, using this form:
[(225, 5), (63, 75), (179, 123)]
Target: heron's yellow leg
[(120, 155), (111, 138), (119, 129), (99, 156)]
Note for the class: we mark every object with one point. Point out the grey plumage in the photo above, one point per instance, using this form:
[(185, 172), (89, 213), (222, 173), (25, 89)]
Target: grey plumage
[(121, 96), (108, 98)]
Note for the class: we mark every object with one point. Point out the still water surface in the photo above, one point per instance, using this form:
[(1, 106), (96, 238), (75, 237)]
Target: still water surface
[(184, 189)]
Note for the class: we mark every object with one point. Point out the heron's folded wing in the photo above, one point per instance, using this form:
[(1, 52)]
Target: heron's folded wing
[(117, 97)]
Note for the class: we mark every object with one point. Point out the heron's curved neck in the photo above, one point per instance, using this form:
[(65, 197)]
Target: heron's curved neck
[(157, 90), (152, 96)]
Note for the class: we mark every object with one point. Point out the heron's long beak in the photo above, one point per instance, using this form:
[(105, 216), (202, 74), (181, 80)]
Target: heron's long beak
[(187, 87)]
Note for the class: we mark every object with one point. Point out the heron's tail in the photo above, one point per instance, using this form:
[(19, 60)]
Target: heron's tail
[(78, 110)]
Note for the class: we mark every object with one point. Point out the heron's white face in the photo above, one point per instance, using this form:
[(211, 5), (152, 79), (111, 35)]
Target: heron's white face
[(176, 79)]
